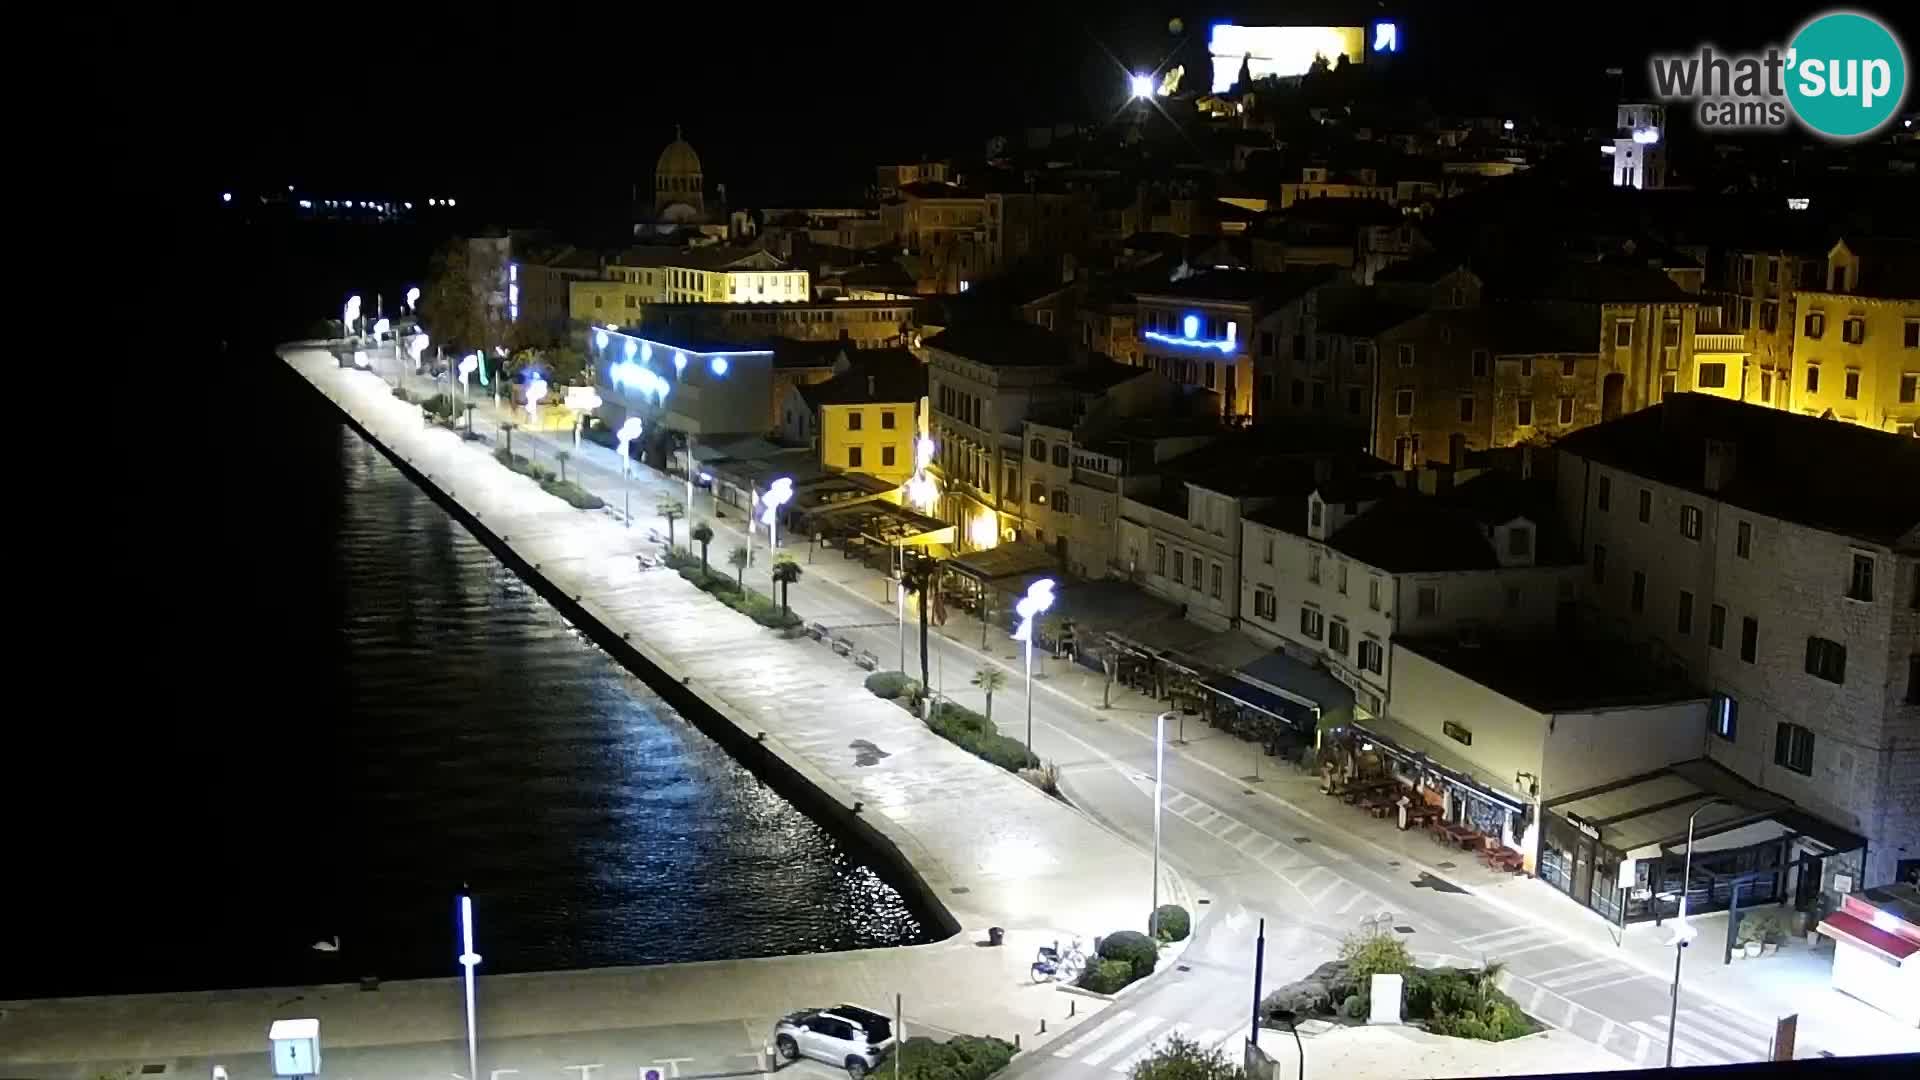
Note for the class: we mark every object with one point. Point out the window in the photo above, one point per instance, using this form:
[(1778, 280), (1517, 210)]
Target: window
[(1670, 334), (1690, 522), (1403, 403), (1638, 598), (1060, 504), (1793, 748), (1266, 343), (1013, 484), (1723, 715), (1813, 378), (1526, 367), (1037, 493), (1853, 384), (1860, 581), (1623, 334), (1766, 387), (1566, 409), (1356, 400), (1316, 513), (1373, 593), (1466, 409), (1406, 355), (1371, 656), (1605, 494), (1909, 386), (1312, 623), (1815, 324), (1266, 388), (853, 457), (1179, 568), (1717, 626), (1313, 567), (1427, 599), (1684, 621), (1037, 450), (1913, 679), (1514, 597), (1337, 637), (853, 420), (1910, 334), (1713, 376), (886, 456), (1567, 367), (1519, 542), (1827, 659), (1482, 363), (1646, 506), (1215, 581), (1263, 604), (1299, 391), (1160, 560), (1749, 638), (1599, 565), (1853, 330), (1668, 383), (1062, 457), (1340, 578), (1362, 354), (1196, 574), (1523, 411), (1743, 540), (886, 419)]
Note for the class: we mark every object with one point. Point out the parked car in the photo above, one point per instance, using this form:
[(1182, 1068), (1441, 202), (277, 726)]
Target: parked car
[(844, 1035)]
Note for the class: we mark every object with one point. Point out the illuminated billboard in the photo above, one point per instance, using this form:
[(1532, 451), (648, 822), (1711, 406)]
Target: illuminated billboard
[(1282, 51)]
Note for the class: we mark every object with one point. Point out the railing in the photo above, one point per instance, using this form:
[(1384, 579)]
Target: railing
[(1719, 343)]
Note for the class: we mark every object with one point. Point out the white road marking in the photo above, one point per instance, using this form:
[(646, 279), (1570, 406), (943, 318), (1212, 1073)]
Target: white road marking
[(1093, 1036), (1620, 981), (1683, 1044), (1356, 898), (1261, 838), (1123, 1040), (1507, 954), (1548, 977), (1127, 1063), (1515, 932)]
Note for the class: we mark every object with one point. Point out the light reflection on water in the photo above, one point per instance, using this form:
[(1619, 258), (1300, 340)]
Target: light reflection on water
[(486, 740)]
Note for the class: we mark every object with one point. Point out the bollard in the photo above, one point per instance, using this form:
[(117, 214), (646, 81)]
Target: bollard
[(1072, 1005), (1016, 1042), (1043, 1026)]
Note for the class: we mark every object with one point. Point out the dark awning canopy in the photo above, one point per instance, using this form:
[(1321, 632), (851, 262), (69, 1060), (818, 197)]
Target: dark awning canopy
[(1254, 697)]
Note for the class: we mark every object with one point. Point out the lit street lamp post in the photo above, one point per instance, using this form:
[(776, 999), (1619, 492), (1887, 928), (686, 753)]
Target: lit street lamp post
[(469, 960), (1683, 933), (777, 495), (1038, 599), (629, 431), (1159, 782)]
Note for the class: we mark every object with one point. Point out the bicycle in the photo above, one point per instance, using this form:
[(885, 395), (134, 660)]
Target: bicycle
[(1052, 965)]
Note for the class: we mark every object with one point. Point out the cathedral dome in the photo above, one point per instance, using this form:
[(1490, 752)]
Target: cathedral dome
[(678, 159)]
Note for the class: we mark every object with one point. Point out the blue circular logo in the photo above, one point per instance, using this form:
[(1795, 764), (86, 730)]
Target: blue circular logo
[(1847, 74)]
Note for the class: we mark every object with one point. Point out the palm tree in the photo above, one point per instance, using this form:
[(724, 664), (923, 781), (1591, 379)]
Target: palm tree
[(989, 679), (785, 572), (672, 511), (738, 559), (508, 426), (920, 577), (561, 457), (702, 534)]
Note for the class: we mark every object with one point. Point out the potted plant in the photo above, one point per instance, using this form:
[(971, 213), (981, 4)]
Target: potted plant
[(1773, 931), (1749, 936)]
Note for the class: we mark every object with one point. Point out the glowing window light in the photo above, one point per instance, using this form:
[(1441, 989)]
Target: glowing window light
[(513, 271), (718, 365), (306, 204), (1798, 203), (1506, 125), (1646, 136), (226, 196)]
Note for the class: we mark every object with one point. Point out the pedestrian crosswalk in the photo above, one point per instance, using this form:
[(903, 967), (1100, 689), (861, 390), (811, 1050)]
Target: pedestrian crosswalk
[(1704, 1035), (1320, 887), (1117, 1044)]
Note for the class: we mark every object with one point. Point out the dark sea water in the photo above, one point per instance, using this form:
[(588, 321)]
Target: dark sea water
[(310, 704)]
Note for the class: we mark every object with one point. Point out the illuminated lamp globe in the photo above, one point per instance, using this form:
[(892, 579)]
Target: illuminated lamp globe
[(1141, 85)]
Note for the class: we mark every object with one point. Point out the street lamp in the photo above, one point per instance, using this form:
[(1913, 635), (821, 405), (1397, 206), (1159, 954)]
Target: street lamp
[(413, 298), (469, 960), (1683, 933), (1141, 85), (582, 400), (1038, 599), (350, 314), (628, 432), (536, 389), (920, 490), (1159, 774), (1285, 1016), (776, 496)]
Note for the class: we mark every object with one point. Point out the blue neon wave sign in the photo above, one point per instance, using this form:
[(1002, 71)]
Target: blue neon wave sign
[(1190, 337)]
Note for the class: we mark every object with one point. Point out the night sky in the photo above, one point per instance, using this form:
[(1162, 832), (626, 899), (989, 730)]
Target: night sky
[(533, 108)]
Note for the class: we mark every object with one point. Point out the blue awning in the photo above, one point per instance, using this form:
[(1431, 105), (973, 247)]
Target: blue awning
[(1284, 673), (1245, 693)]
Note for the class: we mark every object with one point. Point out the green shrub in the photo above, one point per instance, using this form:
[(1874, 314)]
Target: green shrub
[(963, 1057), (971, 732), (1354, 1008), (440, 405), (1134, 947), (1172, 923), (1368, 955), (1106, 976), (887, 684), (575, 495)]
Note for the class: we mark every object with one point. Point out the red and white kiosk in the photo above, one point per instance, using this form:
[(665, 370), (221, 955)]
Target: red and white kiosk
[(1876, 951)]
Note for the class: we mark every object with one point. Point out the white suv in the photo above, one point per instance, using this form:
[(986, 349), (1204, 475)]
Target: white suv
[(844, 1035)]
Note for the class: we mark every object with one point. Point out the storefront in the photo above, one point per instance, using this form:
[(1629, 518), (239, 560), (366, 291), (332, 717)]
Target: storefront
[(1876, 953), (1459, 795), (1620, 849)]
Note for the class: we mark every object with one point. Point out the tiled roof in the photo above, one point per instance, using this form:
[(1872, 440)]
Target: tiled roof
[(875, 377), (1889, 268), (1422, 269), (1825, 474), (1243, 285), (1002, 344)]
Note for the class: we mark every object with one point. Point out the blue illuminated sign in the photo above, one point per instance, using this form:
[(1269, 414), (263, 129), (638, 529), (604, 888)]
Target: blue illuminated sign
[(1190, 337), (1386, 37)]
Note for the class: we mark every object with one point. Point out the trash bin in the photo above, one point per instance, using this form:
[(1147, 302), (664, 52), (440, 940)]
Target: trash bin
[(996, 934)]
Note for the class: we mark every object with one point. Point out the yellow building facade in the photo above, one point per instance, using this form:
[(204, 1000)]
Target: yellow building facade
[(876, 439), (696, 276), (1856, 350)]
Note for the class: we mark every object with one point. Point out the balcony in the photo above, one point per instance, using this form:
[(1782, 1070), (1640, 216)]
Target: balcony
[(1720, 343)]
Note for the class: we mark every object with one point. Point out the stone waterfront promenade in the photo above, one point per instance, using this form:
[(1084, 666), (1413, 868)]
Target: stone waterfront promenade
[(983, 845)]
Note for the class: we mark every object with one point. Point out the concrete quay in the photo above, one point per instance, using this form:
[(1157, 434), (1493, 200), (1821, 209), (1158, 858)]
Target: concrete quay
[(982, 847)]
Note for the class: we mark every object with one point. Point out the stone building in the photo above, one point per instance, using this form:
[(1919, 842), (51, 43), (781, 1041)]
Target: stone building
[(1857, 338), (1772, 557), (1201, 331)]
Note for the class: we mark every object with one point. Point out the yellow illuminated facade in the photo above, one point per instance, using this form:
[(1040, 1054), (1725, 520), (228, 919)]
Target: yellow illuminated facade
[(697, 276), (1856, 349), (876, 439)]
